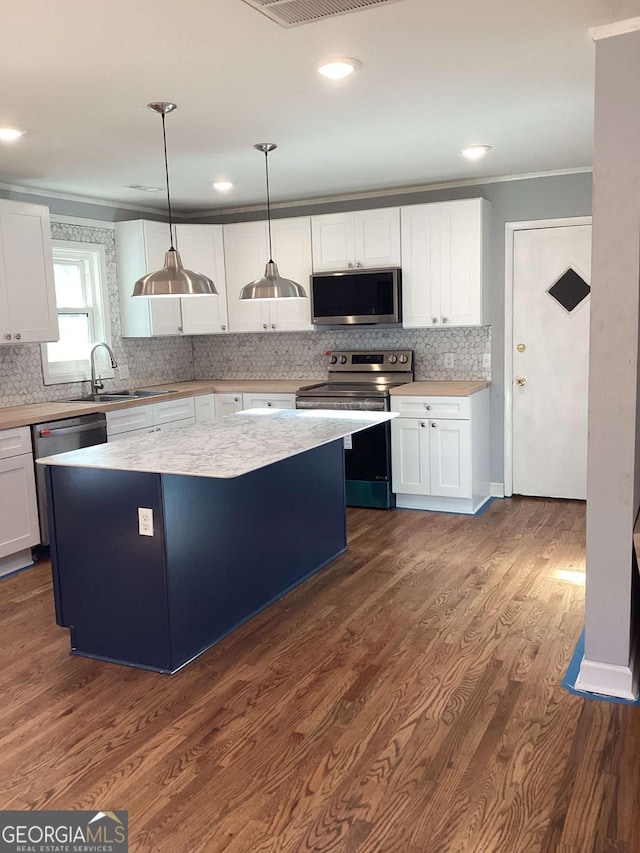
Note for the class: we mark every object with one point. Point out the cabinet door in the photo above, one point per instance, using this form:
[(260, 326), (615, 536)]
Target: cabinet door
[(450, 455), (165, 314), (27, 291), (420, 265), (245, 253), (333, 240), (205, 408), (120, 436), (410, 456), (227, 404), (201, 249), (18, 508), (377, 237), (292, 253), (461, 262)]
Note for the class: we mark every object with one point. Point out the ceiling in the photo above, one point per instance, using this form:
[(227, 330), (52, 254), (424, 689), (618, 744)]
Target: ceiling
[(436, 76)]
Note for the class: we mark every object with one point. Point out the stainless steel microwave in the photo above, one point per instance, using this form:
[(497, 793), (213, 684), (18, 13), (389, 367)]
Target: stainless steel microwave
[(357, 297)]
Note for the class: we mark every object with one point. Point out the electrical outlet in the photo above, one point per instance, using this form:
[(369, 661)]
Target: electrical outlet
[(145, 521), (449, 359), (486, 360), (123, 371)]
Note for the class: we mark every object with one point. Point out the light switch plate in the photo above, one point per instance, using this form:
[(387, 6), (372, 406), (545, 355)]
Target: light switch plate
[(449, 359), (123, 371), (486, 359)]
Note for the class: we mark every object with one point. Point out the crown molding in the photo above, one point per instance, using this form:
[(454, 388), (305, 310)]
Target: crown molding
[(410, 190), (80, 199), (618, 28)]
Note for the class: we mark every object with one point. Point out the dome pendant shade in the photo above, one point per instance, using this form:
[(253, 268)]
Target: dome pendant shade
[(272, 286), (174, 280)]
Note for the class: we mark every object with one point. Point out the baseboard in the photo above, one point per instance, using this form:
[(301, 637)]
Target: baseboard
[(497, 490), (608, 679), (16, 562), (464, 506)]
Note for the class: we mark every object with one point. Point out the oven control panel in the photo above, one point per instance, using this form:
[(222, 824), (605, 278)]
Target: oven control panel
[(382, 361)]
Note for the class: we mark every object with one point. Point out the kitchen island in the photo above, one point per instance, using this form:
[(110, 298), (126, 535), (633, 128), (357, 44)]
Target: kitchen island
[(235, 513)]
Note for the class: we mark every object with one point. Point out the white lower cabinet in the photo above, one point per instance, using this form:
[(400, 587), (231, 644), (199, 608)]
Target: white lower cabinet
[(440, 452), (19, 528), (150, 418)]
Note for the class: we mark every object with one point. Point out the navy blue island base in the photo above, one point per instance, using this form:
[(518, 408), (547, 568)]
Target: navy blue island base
[(222, 550)]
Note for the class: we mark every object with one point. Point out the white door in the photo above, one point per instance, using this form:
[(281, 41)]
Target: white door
[(421, 265), (227, 404), (461, 262), (377, 237), (551, 285), (19, 527), (333, 241)]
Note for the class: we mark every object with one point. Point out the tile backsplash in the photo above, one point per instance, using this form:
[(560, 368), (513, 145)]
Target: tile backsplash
[(299, 355), (149, 360), (275, 355)]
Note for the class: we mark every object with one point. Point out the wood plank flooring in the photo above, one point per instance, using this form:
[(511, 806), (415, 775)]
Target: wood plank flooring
[(405, 700)]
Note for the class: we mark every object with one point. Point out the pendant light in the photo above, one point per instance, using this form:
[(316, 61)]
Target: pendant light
[(173, 279), (271, 285)]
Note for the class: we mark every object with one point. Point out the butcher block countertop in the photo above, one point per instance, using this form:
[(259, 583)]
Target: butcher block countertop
[(432, 388), (35, 413)]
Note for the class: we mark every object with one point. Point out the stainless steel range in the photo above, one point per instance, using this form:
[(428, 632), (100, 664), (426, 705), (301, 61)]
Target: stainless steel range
[(361, 381)]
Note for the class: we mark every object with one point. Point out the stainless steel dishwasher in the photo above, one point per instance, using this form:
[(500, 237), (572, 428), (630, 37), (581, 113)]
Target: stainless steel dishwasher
[(59, 437)]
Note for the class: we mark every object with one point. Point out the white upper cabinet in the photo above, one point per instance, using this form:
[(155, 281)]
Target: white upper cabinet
[(364, 238), (246, 249), (201, 249), (27, 291), (444, 253), (140, 248)]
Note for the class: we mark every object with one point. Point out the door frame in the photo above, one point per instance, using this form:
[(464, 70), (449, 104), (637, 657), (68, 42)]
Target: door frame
[(510, 231)]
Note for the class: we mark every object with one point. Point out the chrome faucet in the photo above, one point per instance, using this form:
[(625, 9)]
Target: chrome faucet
[(97, 384)]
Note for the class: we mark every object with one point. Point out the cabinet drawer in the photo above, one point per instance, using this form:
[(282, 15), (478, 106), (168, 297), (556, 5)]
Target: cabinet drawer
[(173, 410), (272, 401), (13, 442), (456, 408), (126, 420)]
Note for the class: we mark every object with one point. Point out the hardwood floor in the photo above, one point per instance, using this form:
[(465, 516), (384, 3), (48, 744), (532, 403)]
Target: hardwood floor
[(406, 699)]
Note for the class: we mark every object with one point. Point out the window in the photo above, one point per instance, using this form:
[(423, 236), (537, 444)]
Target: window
[(83, 313)]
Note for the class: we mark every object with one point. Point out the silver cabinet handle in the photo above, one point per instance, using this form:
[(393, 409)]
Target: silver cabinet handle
[(273, 325), (350, 265), (236, 400), (422, 424), (18, 336), (444, 320), (358, 264), (434, 424), (224, 328), (264, 325), (269, 404), (434, 320), (180, 328), (428, 407), (7, 337)]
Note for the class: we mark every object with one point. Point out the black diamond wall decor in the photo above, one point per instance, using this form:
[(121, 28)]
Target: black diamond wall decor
[(569, 290)]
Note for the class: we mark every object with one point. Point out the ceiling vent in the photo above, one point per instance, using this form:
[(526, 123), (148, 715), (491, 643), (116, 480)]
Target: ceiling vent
[(292, 13)]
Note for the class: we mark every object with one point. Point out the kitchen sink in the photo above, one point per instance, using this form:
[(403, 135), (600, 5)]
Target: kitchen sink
[(115, 396)]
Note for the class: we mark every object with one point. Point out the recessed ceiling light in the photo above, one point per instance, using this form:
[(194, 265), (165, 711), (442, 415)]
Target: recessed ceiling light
[(475, 152), (338, 67), (10, 134), (223, 186)]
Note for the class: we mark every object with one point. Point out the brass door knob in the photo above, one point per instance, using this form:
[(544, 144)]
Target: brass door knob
[(521, 381)]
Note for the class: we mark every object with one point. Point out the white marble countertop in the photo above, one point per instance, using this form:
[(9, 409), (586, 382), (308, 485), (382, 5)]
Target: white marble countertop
[(224, 447)]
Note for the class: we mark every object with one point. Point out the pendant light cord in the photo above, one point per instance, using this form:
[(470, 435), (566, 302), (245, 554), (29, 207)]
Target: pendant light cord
[(166, 171), (266, 169)]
